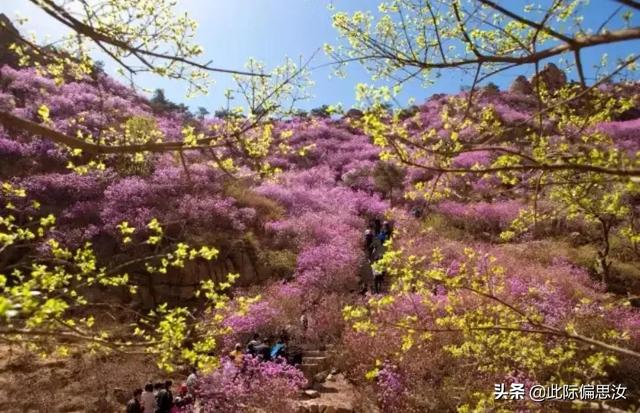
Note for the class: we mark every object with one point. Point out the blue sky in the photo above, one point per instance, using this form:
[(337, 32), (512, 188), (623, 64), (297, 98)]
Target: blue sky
[(233, 30)]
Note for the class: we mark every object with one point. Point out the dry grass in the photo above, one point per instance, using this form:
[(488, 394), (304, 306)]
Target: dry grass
[(81, 383)]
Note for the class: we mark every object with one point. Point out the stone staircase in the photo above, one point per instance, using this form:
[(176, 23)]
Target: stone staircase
[(315, 360), (327, 390)]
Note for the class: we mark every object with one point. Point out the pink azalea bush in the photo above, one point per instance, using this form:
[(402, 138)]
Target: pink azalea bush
[(269, 385), (538, 279), (481, 216)]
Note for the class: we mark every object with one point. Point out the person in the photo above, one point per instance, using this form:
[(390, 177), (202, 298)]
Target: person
[(164, 399), (377, 250), (294, 355), (278, 349), (157, 387), (284, 334), (192, 381), (387, 227), (263, 350), (385, 233), (376, 227), (378, 277), (363, 288), (133, 406), (251, 345), (236, 355), (184, 398), (148, 399), (304, 323), (368, 240)]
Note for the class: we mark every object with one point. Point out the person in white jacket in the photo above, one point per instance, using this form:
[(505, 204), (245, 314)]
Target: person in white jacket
[(148, 399)]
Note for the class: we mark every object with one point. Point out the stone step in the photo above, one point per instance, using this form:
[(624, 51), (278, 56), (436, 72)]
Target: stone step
[(313, 353), (323, 408), (310, 370), (314, 360), (335, 396)]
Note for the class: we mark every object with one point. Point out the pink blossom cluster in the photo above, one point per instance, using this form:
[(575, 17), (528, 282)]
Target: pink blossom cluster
[(495, 215), (270, 385)]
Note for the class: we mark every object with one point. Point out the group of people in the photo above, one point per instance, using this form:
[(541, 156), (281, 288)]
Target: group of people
[(374, 238), (159, 398), (268, 349)]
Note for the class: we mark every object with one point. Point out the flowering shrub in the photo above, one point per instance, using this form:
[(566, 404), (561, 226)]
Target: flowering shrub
[(482, 308), (481, 216), (452, 317), (257, 385)]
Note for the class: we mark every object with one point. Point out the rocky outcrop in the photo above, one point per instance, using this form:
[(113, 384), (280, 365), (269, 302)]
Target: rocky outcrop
[(181, 285), (551, 77), (490, 90), (8, 36), (521, 86), (354, 113), (629, 114)]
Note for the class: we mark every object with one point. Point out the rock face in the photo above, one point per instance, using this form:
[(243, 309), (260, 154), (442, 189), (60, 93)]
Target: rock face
[(550, 76), (180, 285), (354, 113), (489, 90), (8, 36), (629, 114), (521, 86)]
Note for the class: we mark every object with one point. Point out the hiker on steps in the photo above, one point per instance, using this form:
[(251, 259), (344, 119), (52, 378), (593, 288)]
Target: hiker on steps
[(278, 349), (377, 250), (377, 227), (378, 278), (386, 232), (368, 242), (304, 323)]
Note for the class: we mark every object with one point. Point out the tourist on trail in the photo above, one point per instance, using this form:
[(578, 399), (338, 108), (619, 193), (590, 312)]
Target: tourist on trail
[(378, 278), (368, 241), (294, 355), (284, 334), (192, 381), (377, 227), (164, 399), (385, 233), (278, 349), (251, 345), (263, 350), (157, 387), (363, 288), (236, 355), (377, 250), (133, 406), (388, 228), (304, 323), (148, 399), (183, 399)]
